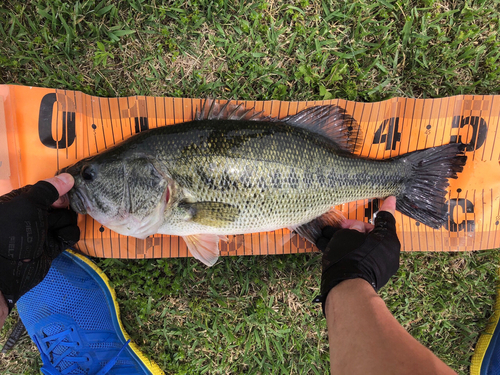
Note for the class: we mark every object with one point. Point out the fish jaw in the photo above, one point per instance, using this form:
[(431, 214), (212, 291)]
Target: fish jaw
[(129, 224), (123, 222), (77, 201)]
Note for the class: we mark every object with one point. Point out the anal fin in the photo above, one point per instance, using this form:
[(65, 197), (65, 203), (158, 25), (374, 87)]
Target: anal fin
[(312, 230), (204, 247)]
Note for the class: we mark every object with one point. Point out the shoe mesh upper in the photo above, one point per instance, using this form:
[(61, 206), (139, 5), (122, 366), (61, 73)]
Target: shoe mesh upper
[(81, 296), (69, 296)]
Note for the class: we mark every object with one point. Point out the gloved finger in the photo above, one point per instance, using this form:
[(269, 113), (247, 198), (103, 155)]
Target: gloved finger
[(389, 205), (69, 235), (385, 219), (359, 226), (385, 230), (322, 243), (61, 240), (14, 193), (343, 242), (326, 235), (42, 194), (329, 231), (54, 247), (63, 231), (61, 217), (346, 224), (63, 183)]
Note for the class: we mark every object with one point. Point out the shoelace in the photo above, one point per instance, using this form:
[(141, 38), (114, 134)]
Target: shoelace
[(57, 341)]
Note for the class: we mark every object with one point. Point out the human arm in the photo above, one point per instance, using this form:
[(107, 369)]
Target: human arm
[(364, 336)]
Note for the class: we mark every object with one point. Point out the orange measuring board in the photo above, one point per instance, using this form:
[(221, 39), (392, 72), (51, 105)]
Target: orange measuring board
[(43, 130)]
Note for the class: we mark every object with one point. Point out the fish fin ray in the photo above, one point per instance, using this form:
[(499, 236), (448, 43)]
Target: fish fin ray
[(311, 231), (213, 110), (286, 237), (331, 121), (424, 196), (213, 214), (204, 247)]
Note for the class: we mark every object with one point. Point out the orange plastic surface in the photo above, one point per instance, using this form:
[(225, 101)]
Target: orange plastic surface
[(48, 129)]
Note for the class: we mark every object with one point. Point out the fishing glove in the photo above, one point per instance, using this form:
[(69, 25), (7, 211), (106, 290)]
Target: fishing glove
[(32, 234), (350, 254)]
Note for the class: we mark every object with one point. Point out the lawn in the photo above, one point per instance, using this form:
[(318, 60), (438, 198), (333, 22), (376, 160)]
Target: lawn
[(254, 314)]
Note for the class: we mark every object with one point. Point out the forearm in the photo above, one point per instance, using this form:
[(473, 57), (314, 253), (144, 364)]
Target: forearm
[(365, 338)]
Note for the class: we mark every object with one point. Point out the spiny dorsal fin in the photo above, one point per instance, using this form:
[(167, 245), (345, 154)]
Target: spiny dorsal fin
[(213, 110), (331, 121)]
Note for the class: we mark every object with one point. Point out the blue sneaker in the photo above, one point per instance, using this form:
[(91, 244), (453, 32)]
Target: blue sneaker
[(486, 358), (74, 320)]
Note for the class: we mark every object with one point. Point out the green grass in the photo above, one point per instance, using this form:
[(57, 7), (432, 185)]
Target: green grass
[(253, 314), (359, 50)]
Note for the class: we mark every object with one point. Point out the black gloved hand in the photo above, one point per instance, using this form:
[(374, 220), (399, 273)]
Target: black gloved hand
[(350, 254), (32, 234)]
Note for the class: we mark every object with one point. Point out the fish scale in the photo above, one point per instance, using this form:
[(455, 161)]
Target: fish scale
[(299, 196), (221, 175)]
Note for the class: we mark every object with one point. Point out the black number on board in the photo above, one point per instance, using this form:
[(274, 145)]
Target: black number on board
[(479, 131), (68, 134), (465, 221), (388, 133), (141, 124)]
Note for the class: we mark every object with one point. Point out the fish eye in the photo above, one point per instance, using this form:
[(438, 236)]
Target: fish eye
[(88, 173)]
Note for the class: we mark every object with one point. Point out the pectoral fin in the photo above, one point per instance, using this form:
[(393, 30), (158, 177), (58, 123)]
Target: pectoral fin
[(213, 214), (204, 247)]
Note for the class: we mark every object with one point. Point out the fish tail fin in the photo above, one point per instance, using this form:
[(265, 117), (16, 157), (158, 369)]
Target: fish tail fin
[(424, 196)]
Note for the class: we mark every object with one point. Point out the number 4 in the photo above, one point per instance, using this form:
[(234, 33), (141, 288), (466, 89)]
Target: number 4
[(391, 137)]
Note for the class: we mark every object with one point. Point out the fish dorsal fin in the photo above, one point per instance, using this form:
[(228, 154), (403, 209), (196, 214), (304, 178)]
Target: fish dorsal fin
[(204, 247), (213, 110), (331, 121)]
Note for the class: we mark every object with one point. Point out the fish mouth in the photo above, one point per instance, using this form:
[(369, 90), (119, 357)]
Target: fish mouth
[(77, 201)]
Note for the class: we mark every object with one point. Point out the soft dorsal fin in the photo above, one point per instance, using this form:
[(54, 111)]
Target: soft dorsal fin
[(331, 121), (213, 110)]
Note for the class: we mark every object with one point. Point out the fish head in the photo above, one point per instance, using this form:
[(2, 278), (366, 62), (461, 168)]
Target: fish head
[(128, 195)]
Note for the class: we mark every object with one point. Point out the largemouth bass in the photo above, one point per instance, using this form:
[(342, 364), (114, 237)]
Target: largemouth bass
[(235, 171)]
